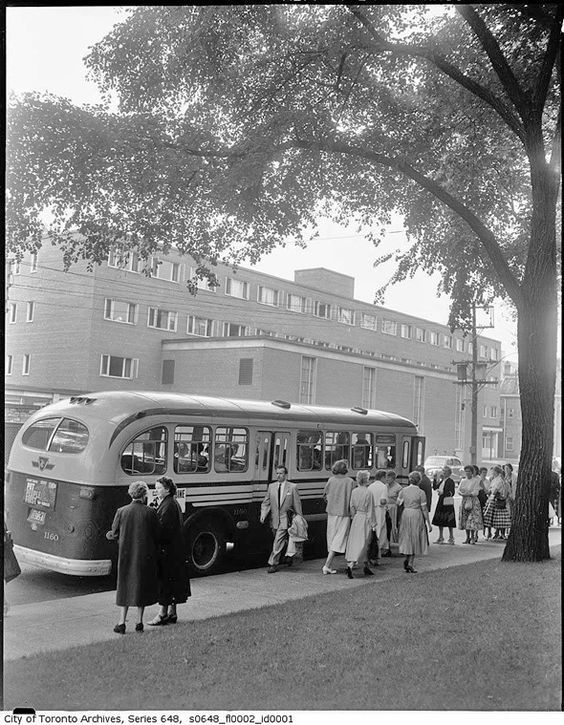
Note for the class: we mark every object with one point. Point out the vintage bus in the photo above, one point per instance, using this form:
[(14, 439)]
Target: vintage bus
[(72, 461)]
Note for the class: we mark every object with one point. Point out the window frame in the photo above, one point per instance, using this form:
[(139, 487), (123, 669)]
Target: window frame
[(134, 367), (30, 311), (228, 441), (156, 311), (387, 324), (290, 296), (277, 294), (245, 286), (130, 306), (12, 313), (26, 363)]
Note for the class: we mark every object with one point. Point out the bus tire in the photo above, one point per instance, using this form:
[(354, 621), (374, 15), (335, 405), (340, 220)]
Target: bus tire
[(206, 546)]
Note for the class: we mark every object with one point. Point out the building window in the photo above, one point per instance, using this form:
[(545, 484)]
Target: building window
[(201, 283), (169, 271), (168, 372), (434, 338), (236, 288), (470, 348), (389, 327), (494, 353), (120, 311), (368, 387), (345, 316), (9, 364), (296, 303), (322, 309), (420, 334), (484, 351), (307, 380), (447, 341), (246, 371), (33, 263), (30, 311), (493, 413), (26, 366), (418, 399), (459, 345), (405, 331), (231, 329), (12, 312), (369, 322), (162, 319), (129, 260), (17, 267), (268, 296), (485, 411), (201, 326), (119, 367), (509, 443)]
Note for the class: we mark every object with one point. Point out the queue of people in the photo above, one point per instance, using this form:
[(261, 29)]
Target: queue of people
[(365, 516)]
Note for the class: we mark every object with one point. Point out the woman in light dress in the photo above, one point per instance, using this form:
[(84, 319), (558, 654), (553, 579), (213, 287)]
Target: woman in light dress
[(414, 524), (363, 514), (496, 512), (337, 494), (470, 514)]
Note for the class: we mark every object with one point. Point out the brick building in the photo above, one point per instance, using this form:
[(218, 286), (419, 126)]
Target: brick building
[(255, 336)]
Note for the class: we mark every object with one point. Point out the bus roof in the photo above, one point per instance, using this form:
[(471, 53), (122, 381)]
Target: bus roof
[(121, 408)]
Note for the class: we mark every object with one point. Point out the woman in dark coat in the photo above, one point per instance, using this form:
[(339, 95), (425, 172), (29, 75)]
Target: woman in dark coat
[(173, 568), (444, 510), (136, 528)]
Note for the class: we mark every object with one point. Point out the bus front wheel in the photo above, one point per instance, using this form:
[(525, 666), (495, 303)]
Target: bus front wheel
[(206, 546)]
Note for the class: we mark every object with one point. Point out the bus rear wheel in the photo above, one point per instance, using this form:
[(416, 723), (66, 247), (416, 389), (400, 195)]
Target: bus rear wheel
[(206, 546)]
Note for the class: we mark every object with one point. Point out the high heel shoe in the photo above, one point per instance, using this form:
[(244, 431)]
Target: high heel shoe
[(139, 627), (368, 572), (159, 620), (411, 570), (349, 573), (119, 629), (326, 570), (171, 618)]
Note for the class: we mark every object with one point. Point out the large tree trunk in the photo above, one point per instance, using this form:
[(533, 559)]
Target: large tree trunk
[(536, 330)]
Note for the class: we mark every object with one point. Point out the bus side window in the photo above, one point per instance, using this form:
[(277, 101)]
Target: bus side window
[(337, 447), (309, 454), (362, 450), (192, 448), (231, 449), (146, 455)]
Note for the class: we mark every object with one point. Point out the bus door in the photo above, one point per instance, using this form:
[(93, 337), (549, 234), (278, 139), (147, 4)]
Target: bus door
[(417, 452), (263, 467), (405, 459), (281, 452)]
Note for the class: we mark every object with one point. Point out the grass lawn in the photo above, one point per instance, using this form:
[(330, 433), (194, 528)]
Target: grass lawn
[(485, 636)]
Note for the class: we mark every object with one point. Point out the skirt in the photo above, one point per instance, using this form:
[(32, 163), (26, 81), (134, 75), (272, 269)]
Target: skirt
[(470, 520), (359, 537), (444, 515), (413, 537), (495, 517), (337, 533)]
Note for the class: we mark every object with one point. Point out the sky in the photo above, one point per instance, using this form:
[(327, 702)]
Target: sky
[(44, 51)]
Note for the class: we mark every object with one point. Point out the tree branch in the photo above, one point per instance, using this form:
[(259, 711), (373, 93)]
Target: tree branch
[(552, 48), (485, 235), (382, 45), (497, 59)]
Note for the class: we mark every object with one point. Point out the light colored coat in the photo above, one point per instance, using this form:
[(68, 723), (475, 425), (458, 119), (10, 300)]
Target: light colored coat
[(279, 514)]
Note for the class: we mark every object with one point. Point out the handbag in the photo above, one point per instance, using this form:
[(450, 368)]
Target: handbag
[(11, 566), (448, 501), (468, 505)]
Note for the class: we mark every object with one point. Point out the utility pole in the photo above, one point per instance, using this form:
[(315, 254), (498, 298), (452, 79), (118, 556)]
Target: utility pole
[(476, 381)]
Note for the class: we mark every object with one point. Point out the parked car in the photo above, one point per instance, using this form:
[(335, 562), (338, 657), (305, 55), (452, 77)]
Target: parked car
[(434, 466)]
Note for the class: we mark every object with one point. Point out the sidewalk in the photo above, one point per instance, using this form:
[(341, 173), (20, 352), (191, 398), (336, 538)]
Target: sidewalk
[(62, 623)]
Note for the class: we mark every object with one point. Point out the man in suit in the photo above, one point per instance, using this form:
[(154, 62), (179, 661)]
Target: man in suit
[(281, 498)]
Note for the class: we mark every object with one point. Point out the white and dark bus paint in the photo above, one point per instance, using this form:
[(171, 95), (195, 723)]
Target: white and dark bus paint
[(72, 461)]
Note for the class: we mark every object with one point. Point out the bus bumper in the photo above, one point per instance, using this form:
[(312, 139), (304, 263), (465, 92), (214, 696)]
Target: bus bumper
[(75, 567)]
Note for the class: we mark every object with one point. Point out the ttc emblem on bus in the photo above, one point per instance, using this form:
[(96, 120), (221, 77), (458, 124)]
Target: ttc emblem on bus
[(43, 464)]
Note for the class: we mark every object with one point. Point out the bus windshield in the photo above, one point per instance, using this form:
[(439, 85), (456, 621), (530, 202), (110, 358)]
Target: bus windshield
[(54, 434)]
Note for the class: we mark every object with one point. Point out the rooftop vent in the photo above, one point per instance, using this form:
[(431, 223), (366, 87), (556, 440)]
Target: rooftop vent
[(79, 399), (282, 404), (357, 409)]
